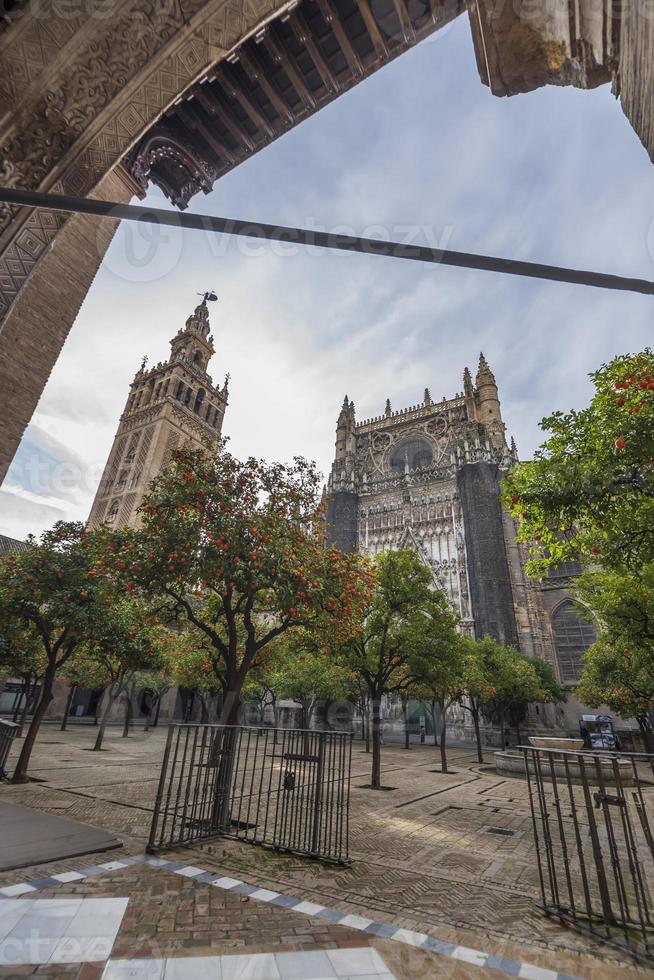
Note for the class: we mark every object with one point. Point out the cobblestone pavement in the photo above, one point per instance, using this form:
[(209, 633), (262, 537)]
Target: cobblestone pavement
[(424, 857)]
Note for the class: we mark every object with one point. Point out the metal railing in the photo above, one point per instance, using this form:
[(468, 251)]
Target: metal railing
[(593, 814), (8, 730), (281, 788)]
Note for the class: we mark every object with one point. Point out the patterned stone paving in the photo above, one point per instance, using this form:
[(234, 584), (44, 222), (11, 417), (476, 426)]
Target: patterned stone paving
[(423, 856)]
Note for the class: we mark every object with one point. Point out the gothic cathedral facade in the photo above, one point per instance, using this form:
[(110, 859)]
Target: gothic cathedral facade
[(170, 405), (428, 477)]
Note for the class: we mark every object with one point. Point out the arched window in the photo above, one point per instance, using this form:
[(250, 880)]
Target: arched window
[(188, 396), (180, 389), (572, 637), (147, 394), (199, 398), (415, 451), (113, 511)]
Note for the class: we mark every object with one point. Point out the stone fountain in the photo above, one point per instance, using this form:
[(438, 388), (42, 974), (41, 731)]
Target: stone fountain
[(565, 757)]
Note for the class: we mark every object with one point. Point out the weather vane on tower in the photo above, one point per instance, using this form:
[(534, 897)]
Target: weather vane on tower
[(208, 297)]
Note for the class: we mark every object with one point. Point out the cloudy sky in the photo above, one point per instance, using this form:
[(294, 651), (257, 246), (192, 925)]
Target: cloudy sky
[(420, 149)]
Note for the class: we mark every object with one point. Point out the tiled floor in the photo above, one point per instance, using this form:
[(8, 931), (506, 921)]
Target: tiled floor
[(345, 964), (58, 930), (423, 862)]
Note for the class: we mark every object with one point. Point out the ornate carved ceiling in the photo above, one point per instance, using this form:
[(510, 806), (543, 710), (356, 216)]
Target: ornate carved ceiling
[(299, 62)]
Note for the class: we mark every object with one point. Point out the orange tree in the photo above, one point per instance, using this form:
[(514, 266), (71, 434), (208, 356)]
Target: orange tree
[(408, 631), (588, 493), (619, 667), (518, 681), (305, 670), (234, 549), (53, 589)]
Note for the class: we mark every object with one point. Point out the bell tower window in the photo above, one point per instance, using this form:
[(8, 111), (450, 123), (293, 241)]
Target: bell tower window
[(199, 398)]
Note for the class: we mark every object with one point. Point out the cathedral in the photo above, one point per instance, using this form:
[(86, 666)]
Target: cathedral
[(428, 477), (170, 405)]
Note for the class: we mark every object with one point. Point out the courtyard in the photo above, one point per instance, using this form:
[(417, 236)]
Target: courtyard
[(447, 855)]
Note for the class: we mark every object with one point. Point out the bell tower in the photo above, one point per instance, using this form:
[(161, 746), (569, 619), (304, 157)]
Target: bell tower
[(170, 405)]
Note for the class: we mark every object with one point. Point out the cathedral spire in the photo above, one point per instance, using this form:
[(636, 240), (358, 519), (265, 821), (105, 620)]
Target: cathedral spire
[(193, 343), (345, 410), (345, 430), (467, 383), (488, 404), (484, 373)]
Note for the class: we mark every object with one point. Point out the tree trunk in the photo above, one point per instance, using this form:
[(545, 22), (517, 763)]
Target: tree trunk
[(432, 712), (111, 697), (231, 704), (69, 704), (30, 695), (367, 718), (20, 772), (475, 721), (375, 779), (128, 713), (443, 737), (405, 715), (17, 699)]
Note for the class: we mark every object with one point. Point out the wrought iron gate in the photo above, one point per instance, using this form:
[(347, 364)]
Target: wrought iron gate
[(593, 814), (286, 789)]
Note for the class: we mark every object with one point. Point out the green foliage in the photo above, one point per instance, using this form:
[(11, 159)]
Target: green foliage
[(85, 671), (306, 672), (619, 667), (124, 644), (189, 658), (49, 589), (407, 626), (514, 682), (620, 677), (21, 650), (589, 492), (52, 590), (407, 636)]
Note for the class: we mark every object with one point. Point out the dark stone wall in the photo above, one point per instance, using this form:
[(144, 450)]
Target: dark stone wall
[(341, 521), (488, 567)]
